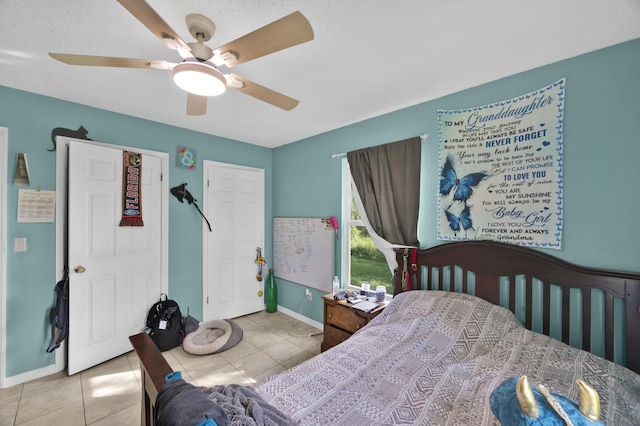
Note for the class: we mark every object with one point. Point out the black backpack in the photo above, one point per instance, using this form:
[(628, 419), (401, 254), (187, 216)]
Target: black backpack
[(59, 314), (164, 324)]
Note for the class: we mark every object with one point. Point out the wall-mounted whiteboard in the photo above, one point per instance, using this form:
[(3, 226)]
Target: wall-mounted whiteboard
[(303, 251)]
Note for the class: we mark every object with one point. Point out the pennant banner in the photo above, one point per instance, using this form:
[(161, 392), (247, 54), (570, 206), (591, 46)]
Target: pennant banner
[(131, 189), (500, 170)]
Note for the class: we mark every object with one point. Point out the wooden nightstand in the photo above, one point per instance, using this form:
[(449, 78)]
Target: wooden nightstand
[(341, 321)]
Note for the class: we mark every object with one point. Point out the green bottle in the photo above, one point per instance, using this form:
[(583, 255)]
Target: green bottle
[(271, 293)]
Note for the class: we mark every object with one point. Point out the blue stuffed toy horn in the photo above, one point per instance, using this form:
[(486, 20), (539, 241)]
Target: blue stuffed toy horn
[(514, 402)]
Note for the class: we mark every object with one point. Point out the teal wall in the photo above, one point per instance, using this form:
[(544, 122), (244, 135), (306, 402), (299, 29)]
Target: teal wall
[(601, 160), (31, 275), (601, 153)]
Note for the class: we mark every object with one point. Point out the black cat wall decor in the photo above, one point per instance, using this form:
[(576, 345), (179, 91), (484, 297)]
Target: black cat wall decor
[(81, 133)]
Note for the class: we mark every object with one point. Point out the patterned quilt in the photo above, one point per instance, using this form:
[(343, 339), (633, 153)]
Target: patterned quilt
[(433, 358)]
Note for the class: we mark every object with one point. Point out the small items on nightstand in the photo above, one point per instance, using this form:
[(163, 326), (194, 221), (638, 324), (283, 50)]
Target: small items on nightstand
[(344, 294), (366, 306), (336, 285)]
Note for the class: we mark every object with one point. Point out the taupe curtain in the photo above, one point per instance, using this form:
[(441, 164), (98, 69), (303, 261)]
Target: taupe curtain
[(387, 178)]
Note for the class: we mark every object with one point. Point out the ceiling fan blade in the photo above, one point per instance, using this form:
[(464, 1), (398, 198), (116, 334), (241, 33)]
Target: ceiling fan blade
[(196, 105), (286, 32), (262, 93), (108, 61), (150, 19)]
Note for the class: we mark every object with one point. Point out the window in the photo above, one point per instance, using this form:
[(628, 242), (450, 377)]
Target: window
[(362, 261)]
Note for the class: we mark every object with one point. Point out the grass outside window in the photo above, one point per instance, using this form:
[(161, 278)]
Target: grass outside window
[(368, 264)]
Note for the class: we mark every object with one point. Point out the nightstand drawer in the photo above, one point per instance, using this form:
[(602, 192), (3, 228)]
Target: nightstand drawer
[(344, 318), (334, 336), (341, 321)]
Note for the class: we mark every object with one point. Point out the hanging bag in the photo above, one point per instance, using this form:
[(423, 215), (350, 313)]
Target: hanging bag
[(409, 275), (59, 314), (164, 324)]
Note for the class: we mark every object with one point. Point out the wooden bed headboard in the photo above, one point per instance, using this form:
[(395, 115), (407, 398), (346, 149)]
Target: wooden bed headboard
[(591, 305)]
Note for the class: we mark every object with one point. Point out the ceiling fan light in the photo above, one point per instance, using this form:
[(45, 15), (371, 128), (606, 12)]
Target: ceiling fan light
[(199, 78)]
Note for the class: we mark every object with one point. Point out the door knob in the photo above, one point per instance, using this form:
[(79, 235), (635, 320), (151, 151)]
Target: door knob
[(79, 269)]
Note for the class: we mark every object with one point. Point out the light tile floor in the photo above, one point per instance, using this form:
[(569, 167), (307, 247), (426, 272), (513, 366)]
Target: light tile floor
[(109, 393)]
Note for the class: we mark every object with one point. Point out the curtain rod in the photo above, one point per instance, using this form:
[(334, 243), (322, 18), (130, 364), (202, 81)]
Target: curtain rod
[(342, 154)]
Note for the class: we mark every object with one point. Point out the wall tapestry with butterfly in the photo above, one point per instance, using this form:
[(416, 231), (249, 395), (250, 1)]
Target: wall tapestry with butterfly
[(500, 170)]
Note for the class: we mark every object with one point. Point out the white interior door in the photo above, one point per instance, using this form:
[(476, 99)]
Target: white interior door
[(234, 204), (115, 272)]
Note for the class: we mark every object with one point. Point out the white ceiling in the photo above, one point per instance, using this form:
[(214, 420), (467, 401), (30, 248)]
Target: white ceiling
[(369, 57)]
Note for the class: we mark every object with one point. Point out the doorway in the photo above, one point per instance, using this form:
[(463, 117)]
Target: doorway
[(116, 273), (234, 204)]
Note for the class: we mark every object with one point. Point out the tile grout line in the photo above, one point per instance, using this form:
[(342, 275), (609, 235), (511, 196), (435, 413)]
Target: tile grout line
[(84, 414)]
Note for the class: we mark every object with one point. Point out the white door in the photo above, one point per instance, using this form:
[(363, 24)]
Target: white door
[(115, 272), (234, 204)]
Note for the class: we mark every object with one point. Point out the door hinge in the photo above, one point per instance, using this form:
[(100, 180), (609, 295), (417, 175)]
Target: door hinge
[(207, 300)]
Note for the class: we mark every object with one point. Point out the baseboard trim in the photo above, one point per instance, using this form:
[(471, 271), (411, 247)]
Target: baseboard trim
[(300, 317), (39, 373)]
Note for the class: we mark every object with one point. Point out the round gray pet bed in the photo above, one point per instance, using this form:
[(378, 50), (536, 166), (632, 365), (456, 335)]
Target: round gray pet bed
[(213, 337)]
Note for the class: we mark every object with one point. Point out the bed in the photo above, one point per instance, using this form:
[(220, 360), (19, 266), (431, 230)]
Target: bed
[(434, 355)]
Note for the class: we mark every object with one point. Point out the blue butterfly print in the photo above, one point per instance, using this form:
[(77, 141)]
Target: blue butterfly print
[(463, 186), (460, 222)]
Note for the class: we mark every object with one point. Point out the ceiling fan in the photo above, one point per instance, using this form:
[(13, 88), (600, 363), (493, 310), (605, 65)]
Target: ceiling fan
[(198, 72)]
